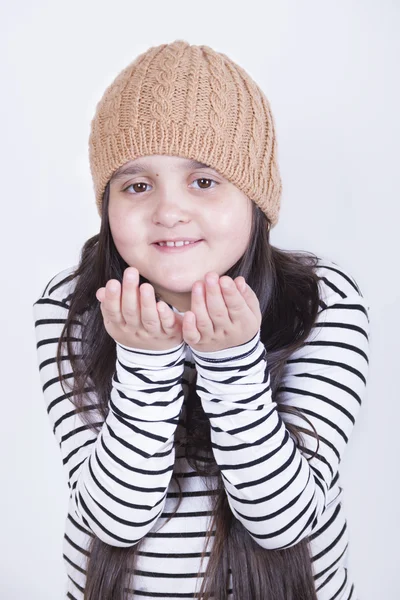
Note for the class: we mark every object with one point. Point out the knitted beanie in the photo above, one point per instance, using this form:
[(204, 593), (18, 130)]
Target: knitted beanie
[(189, 101)]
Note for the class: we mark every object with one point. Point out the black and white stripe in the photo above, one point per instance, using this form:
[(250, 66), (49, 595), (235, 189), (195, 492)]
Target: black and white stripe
[(120, 480)]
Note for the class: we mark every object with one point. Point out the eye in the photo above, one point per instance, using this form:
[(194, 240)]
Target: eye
[(206, 179), (140, 183)]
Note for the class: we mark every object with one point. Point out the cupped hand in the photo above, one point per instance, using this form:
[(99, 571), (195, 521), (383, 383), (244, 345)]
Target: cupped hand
[(224, 313), (133, 318)]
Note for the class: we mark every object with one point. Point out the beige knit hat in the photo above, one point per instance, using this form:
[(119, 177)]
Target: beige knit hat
[(189, 101)]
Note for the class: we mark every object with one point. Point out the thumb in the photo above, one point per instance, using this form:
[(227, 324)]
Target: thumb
[(178, 319)]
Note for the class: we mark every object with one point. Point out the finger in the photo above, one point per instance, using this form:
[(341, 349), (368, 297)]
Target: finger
[(190, 333), (216, 306), (249, 296), (236, 305), (130, 304), (240, 284), (111, 306), (101, 294), (199, 308), (148, 310), (168, 319)]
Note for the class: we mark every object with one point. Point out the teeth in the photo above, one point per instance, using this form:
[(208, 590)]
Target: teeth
[(180, 243)]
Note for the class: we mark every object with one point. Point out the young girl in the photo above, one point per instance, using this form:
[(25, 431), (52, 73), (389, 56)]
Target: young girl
[(201, 383)]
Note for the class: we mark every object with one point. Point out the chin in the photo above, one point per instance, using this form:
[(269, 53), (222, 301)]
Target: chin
[(178, 288)]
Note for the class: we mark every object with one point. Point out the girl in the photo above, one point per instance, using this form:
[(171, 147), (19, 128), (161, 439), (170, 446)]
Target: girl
[(201, 383)]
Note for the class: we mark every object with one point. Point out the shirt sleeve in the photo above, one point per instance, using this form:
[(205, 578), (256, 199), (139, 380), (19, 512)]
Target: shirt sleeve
[(118, 478), (273, 487)]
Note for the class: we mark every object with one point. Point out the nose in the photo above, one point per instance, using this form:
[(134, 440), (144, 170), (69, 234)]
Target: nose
[(169, 209)]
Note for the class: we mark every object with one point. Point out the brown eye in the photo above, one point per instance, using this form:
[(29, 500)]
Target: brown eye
[(137, 191), (205, 181)]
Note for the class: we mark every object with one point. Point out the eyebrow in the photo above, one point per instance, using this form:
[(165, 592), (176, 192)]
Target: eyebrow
[(139, 167)]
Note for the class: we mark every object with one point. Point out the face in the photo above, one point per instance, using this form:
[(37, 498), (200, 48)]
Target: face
[(161, 197)]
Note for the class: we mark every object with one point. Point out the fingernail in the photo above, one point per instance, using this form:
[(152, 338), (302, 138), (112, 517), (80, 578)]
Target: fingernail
[(130, 276), (225, 283), (212, 279)]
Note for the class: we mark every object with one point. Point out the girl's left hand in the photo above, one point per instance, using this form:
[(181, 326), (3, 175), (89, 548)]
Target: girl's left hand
[(224, 313)]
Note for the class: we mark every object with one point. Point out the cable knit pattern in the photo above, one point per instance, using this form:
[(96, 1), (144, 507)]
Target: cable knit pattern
[(190, 101)]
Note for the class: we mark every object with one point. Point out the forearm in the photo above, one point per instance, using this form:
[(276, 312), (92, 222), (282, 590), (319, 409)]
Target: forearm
[(121, 489), (269, 485)]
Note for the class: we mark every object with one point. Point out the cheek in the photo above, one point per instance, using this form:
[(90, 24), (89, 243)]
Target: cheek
[(118, 232), (233, 226), (123, 227)]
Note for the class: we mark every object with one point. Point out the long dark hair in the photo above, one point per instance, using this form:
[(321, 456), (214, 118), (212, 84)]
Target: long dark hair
[(286, 285)]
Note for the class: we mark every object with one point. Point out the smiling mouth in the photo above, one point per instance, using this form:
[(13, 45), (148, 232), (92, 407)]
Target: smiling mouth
[(179, 243), (162, 247)]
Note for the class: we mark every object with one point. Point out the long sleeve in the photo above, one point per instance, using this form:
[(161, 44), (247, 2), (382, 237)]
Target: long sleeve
[(272, 486), (118, 478)]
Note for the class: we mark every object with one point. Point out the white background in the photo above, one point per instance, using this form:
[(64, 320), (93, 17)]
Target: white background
[(329, 72)]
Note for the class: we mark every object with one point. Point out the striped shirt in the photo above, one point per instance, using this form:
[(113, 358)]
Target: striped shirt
[(120, 482)]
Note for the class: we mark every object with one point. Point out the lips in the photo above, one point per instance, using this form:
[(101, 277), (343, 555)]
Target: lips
[(177, 249), (183, 239), (185, 243)]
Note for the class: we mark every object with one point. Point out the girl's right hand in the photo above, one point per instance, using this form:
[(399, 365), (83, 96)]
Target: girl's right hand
[(133, 318)]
